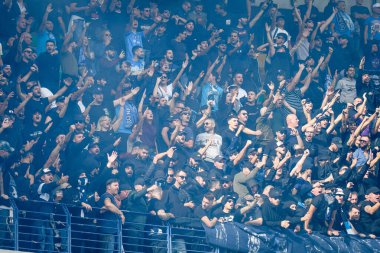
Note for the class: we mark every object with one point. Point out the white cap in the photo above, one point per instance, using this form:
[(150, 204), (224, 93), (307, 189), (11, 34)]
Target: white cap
[(376, 5)]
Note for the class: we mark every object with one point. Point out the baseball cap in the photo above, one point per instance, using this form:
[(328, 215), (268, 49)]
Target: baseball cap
[(219, 159), (337, 141), (4, 145), (45, 171), (283, 35), (139, 181), (376, 5), (97, 90), (275, 193), (372, 189), (281, 72), (339, 191)]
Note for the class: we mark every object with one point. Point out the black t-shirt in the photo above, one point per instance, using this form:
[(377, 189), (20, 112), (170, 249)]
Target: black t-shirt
[(173, 201), (321, 205), (227, 217), (35, 105), (199, 212), (253, 214), (108, 220), (18, 175), (365, 218)]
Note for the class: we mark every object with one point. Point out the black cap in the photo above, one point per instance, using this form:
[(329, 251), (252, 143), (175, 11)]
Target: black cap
[(281, 72), (139, 181), (219, 159), (373, 189), (282, 35), (197, 157), (337, 141), (275, 193), (323, 156), (97, 90)]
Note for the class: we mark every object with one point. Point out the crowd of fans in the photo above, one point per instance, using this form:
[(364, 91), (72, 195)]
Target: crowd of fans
[(215, 110)]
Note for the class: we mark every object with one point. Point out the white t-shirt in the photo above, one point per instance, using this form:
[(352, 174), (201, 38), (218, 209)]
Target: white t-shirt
[(166, 94)]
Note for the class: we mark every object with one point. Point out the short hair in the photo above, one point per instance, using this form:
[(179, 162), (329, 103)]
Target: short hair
[(50, 41), (135, 48), (111, 181), (143, 146), (209, 196), (179, 171), (352, 207)]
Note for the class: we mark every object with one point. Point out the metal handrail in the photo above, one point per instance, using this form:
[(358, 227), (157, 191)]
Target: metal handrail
[(151, 235)]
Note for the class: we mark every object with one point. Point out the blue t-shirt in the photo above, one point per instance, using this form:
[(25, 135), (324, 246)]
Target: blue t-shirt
[(132, 39), (130, 118)]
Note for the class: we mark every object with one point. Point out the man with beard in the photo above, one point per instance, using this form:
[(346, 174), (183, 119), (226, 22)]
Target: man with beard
[(361, 155), (137, 61), (203, 211), (110, 216), (48, 64), (214, 149), (36, 102)]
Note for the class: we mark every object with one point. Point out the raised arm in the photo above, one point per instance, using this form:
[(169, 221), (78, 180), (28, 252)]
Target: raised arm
[(292, 85), (272, 50)]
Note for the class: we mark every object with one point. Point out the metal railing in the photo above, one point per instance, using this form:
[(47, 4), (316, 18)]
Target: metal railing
[(35, 226)]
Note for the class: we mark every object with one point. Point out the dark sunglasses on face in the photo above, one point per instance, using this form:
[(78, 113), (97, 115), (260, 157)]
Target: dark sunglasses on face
[(170, 175), (183, 177)]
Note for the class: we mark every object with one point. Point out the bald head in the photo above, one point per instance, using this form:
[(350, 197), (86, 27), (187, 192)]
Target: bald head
[(292, 121)]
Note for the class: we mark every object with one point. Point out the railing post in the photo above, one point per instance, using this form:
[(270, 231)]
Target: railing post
[(119, 235), (68, 222), (169, 236), (15, 224)]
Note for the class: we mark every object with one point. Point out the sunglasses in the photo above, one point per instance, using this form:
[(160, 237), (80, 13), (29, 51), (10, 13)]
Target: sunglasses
[(28, 51), (186, 113), (170, 175), (79, 122), (230, 201), (183, 177)]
